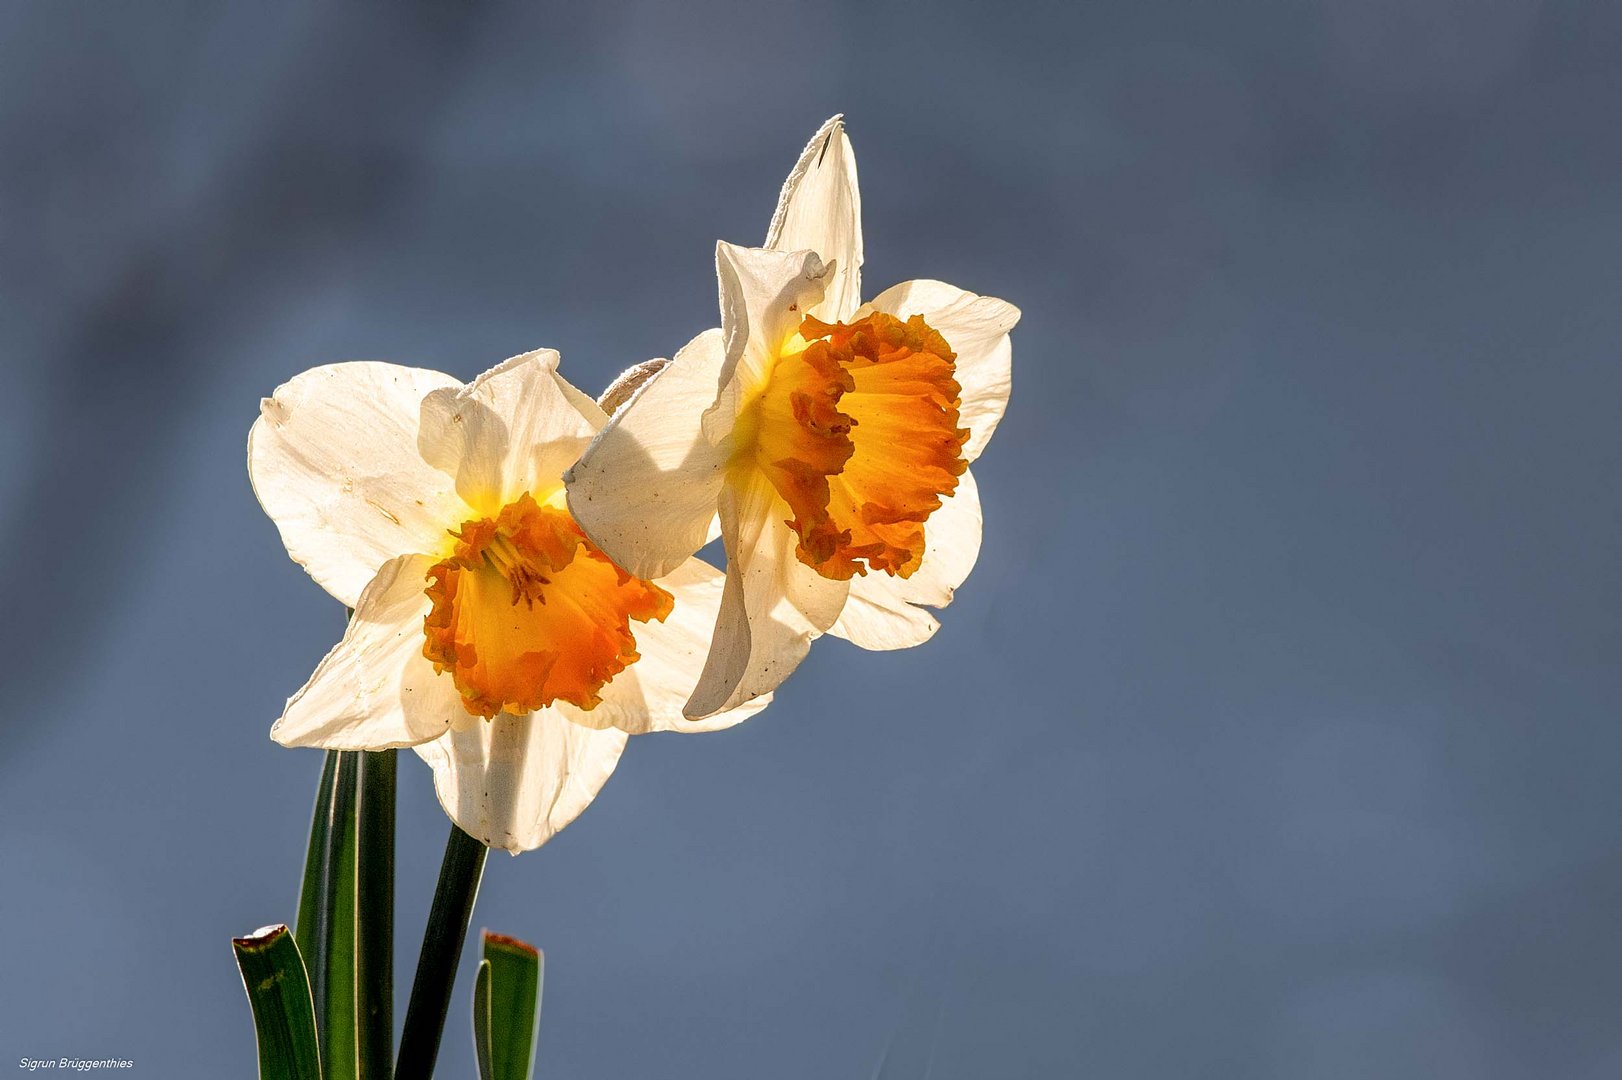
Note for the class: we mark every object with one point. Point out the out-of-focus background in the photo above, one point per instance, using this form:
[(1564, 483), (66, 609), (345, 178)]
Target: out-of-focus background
[(1276, 733)]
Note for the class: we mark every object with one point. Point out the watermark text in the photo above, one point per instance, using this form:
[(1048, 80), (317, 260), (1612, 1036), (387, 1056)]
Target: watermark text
[(68, 1064)]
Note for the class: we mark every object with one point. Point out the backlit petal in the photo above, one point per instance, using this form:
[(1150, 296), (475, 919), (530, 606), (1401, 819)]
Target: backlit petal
[(882, 613), (514, 782), (646, 490), (773, 605), (820, 210), (375, 689), (651, 693), (334, 461), (587, 406), (764, 297), (512, 430), (977, 329)]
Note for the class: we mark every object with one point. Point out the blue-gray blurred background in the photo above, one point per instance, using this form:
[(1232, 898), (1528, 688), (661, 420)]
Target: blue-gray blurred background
[(1275, 734)]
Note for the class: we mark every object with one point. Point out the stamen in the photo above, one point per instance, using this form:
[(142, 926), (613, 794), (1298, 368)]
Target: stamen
[(505, 559)]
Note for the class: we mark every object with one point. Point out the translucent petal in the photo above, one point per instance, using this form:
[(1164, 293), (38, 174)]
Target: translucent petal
[(513, 429), (765, 295), (651, 693), (977, 328), (514, 782), (820, 210), (882, 611), (375, 689), (335, 462), (646, 490), (772, 608)]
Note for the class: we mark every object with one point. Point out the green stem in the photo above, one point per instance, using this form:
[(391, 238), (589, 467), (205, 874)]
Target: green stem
[(448, 921), (374, 932)]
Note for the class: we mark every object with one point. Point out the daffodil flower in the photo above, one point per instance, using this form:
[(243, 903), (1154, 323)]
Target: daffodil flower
[(488, 632), (834, 438)]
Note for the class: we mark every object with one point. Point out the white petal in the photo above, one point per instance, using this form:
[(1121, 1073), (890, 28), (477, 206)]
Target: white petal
[(773, 605), (881, 612), (765, 295), (820, 210), (512, 430), (650, 694), (375, 689), (646, 489), (514, 782), (977, 329), (583, 402), (334, 461)]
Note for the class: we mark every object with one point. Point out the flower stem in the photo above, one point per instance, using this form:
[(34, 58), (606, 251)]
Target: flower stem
[(448, 920)]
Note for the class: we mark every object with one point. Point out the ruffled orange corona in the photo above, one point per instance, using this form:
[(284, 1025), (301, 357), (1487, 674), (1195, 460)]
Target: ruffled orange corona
[(526, 611), (858, 432)]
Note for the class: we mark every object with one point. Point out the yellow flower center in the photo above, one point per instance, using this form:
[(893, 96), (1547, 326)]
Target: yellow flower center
[(527, 612), (858, 433)]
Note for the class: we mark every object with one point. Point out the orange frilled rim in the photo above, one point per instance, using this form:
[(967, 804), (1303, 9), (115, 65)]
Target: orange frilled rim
[(527, 612), (859, 434)]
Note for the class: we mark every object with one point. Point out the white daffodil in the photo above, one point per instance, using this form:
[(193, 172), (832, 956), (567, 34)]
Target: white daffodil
[(488, 633), (833, 436)]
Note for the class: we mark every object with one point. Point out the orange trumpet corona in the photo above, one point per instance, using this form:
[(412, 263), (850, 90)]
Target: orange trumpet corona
[(858, 432), (526, 612)]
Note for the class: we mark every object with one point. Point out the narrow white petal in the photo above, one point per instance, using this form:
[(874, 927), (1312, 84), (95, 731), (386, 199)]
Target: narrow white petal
[(651, 693), (588, 407), (375, 689), (334, 461), (512, 430), (820, 210), (765, 295), (514, 782), (977, 329), (772, 608), (646, 489), (882, 612)]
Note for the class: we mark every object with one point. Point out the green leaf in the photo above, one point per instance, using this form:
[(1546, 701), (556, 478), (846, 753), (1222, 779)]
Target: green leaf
[(482, 1050), (346, 914), (327, 914), (283, 1012), (507, 1008), (374, 954)]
